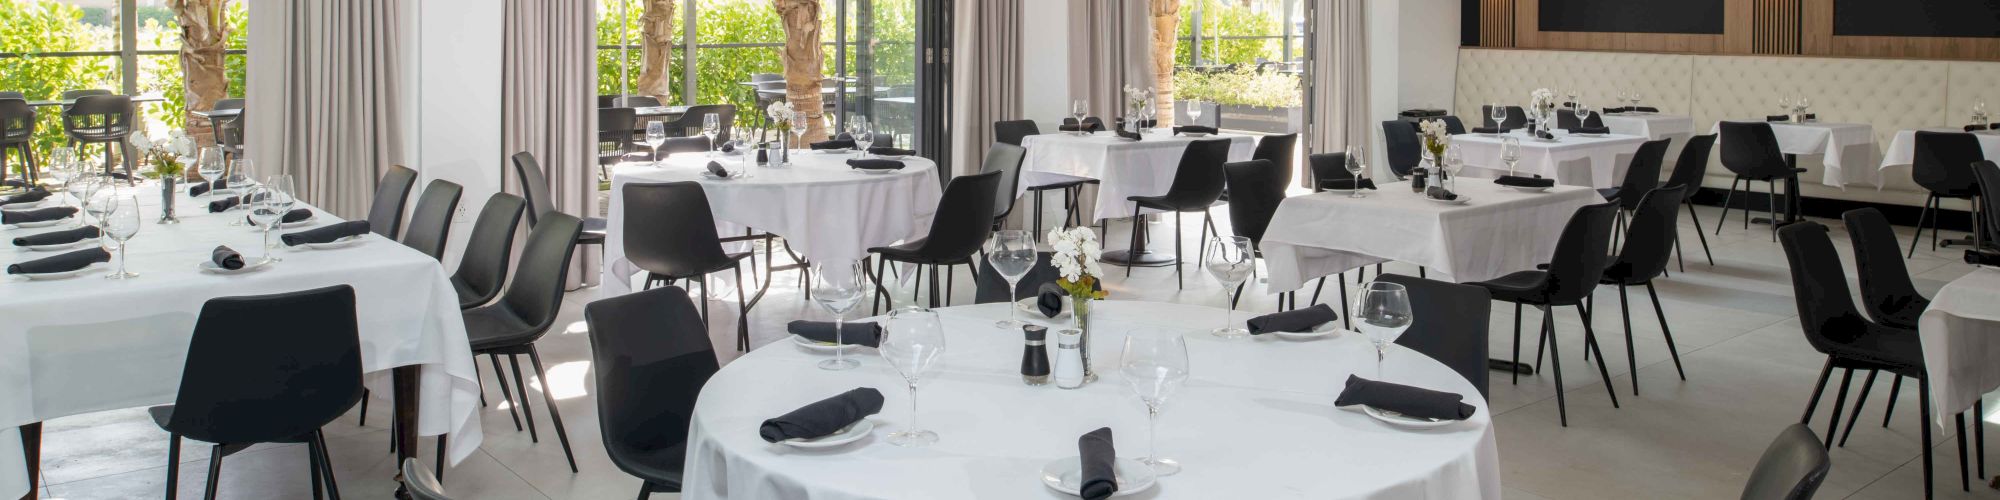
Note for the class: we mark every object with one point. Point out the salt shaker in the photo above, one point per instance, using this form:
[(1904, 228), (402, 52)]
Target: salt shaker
[(763, 153), (1069, 359), (1035, 355)]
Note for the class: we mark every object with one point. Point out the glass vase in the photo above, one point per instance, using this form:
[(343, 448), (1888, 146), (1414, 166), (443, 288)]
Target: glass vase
[(1079, 317), (168, 192)]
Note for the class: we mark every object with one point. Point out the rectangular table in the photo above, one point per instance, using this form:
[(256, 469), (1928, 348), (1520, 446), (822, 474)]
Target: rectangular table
[(1902, 150), (1607, 157), (88, 344), (1845, 148), (1960, 332), (1653, 127), (1501, 230)]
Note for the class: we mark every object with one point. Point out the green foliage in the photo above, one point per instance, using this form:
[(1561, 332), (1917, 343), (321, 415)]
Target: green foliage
[(1243, 87), (1228, 18)]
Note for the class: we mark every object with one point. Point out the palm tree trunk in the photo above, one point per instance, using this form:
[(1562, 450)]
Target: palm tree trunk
[(1166, 19), (804, 63), (203, 34), (656, 33)]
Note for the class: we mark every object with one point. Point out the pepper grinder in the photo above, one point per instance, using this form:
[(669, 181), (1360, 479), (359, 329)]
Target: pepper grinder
[(1069, 359), (1035, 355)]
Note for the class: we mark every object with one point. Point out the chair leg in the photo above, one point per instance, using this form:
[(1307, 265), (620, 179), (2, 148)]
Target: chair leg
[(1920, 226), (1548, 330), (934, 286), (313, 468), (1038, 212), (1964, 476), (1889, 409), (1839, 399), (1179, 284), (214, 472), (500, 374), (742, 312), (948, 275), (1517, 337), (1346, 320), (645, 491), (363, 421), (521, 386), (1771, 204), (1665, 331), (326, 463), (1979, 434), (701, 295), (1631, 356), (1699, 233), (1727, 197), (440, 457), (1818, 388), (174, 465), (1860, 400), (549, 400), (1590, 341), (1924, 410), (1132, 250)]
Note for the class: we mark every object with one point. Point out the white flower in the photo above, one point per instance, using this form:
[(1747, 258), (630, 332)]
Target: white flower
[(779, 111), (139, 140)]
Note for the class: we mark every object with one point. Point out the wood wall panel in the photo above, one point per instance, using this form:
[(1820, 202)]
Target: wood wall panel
[(1496, 23), (1763, 27)]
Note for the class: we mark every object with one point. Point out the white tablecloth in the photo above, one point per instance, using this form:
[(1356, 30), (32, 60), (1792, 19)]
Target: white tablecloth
[(824, 210), (1125, 168), (1846, 149), (1597, 162), (1961, 340), (1255, 420), (1500, 231), (1902, 150), (88, 344), (1653, 127)]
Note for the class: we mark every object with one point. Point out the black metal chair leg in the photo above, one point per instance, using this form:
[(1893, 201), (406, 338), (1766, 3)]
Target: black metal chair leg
[(1728, 196), (1924, 412), (1666, 332), (1038, 212), (326, 463), (363, 420), (1631, 353), (549, 400), (742, 312), (1860, 400), (1818, 388), (1590, 341), (1346, 320), (1921, 214), (1839, 399), (1132, 250), (1517, 340), (1179, 283), (520, 386), (1889, 409), (1964, 476), (500, 374), (173, 465), (1549, 330), (1979, 434), (313, 468), (214, 472)]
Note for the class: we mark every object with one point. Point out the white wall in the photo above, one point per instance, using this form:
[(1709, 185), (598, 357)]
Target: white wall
[(1412, 61), (453, 107)]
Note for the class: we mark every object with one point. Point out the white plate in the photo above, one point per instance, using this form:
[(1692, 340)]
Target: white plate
[(61, 275), (820, 346), (851, 433), (209, 266), (50, 201), (1461, 200), (339, 243), (1401, 420), (732, 176), (1325, 330), (46, 223), (877, 171), (1066, 474), (891, 157), (1195, 134), (63, 246), (1527, 189), (1029, 310), (309, 221)]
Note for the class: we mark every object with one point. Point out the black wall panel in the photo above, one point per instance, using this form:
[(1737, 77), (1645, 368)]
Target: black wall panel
[(1700, 17), (1951, 18)]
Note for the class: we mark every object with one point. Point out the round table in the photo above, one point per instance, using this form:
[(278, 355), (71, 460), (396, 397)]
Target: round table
[(1255, 420), (824, 210)]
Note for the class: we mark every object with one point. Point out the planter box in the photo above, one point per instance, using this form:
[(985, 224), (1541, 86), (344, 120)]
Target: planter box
[(1210, 112), (1261, 119)]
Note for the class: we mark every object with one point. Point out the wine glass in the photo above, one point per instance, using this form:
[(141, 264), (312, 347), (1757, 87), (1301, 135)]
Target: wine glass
[(1571, 94), (1979, 112), (1012, 254), (656, 134), (1155, 365), (1355, 165), (1636, 98), (798, 130), (912, 343), (1194, 113), (1784, 104), (1231, 261), (1079, 109), (1510, 152), (1147, 111), (120, 222), (1499, 113), (100, 197), (838, 287), (711, 126), (210, 165), (60, 161), (278, 199), (863, 137), (1383, 312), (1805, 103), (1454, 162), (1582, 115)]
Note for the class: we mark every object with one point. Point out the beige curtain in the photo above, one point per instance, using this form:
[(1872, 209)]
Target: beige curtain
[(548, 105), (322, 97), (1339, 69), (988, 75), (1117, 38)]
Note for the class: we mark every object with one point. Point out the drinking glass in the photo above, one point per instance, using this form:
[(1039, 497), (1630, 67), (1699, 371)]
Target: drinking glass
[(61, 160), (1636, 98), (1784, 104), (1231, 261), (1155, 365), (1383, 312), (209, 164), (1194, 113), (278, 198), (1979, 112), (1012, 254), (1079, 109), (912, 343), (1355, 165), (264, 212), (1454, 162), (711, 126), (121, 222), (1571, 94), (1582, 115), (1804, 104), (799, 130), (1499, 113), (100, 197), (838, 287), (1147, 112), (863, 137), (1510, 152), (656, 134)]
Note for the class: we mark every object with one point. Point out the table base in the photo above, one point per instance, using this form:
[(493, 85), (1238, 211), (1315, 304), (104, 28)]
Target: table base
[(1142, 258), (1501, 365)]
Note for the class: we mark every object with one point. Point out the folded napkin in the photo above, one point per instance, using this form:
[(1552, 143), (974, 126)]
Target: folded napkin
[(716, 169), (1131, 135), (866, 334), (1099, 460), (1617, 110), (33, 195), (1296, 320), (875, 164), (1518, 181), (884, 151), (205, 187), (1777, 118), (1646, 109), (223, 205), (1049, 299), (295, 215), (1811, 116), (834, 144), (823, 417), (1090, 124), (66, 262), (1968, 128), (1488, 130), (325, 234), (1195, 129), (1590, 130), (226, 257), (1412, 401), (36, 215), (728, 147), (58, 237), (1344, 184), (1986, 258)]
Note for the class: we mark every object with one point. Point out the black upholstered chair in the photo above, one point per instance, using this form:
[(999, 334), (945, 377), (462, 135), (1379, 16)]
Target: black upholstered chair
[(420, 482), (1750, 150), (1005, 159), (1643, 258), (430, 223), (1072, 189), (1988, 176), (1792, 468), (1011, 132), (1887, 294), (689, 123), (107, 120), (1329, 171), (242, 385), (635, 101), (1943, 166), (616, 125), (392, 192), (1566, 120), (1516, 117), (535, 187), (482, 271), (1580, 257), (512, 325), (1453, 125), (1259, 186), (17, 134), (1198, 183), (1640, 178), (1450, 326), (1405, 148), (651, 356), (1688, 171), (963, 222), (229, 131), (670, 234)]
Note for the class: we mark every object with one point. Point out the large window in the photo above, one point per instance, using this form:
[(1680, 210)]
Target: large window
[(1241, 32)]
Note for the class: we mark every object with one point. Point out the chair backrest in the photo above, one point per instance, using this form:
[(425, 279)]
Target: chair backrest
[(1643, 174), (1581, 253), (1005, 159), (534, 187), (1649, 240), (696, 144), (229, 132), (1198, 180), (99, 118), (607, 101), (1451, 325), (1885, 280), (1516, 117), (10, 94), (17, 120), (1012, 132), (1943, 163), (420, 482), (1252, 201), (71, 95), (964, 217), (483, 268), (540, 277), (635, 101), (689, 124), (1792, 468), (1819, 286), (1566, 120), (1405, 149), (617, 125), (430, 224), (670, 230), (392, 191), (992, 287), (1282, 150), (245, 384), (650, 356), (1328, 167), (1453, 125), (1693, 164), (1750, 149), (1988, 176)]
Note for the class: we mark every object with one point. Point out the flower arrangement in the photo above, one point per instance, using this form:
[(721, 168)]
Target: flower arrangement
[(1436, 138), (1136, 98), (1543, 101), (781, 115), (1076, 256), (168, 154)]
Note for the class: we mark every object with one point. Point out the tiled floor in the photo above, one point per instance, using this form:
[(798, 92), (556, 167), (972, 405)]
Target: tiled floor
[(1749, 373)]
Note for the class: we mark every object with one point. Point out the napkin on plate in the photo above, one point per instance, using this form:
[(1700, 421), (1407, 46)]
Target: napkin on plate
[(33, 195), (1777, 118), (886, 151), (1518, 181), (1345, 184), (1295, 321), (65, 262), (63, 237), (1195, 129), (1090, 124), (36, 215), (1099, 462), (875, 164), (1488, 130), (226, 257), (867, 334), (834, 144), (823, 417), (715, 168), (325, 234), (223, 205), (1590, 130), (1049, 299), (1412, 401), (1131, 135), (294, 215)]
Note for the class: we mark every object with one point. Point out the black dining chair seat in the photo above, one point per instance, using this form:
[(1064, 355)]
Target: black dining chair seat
[(1520, 286), (651, 357), (961, 227), (494, 327)]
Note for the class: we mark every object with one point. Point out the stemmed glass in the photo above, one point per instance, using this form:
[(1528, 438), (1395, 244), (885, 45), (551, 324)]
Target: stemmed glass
[(209, 165), (1582, 115), (1979, 112), (1625, 99), (863, 137), (1231, 261), (838, 287), (1383, 312), (1636, 98), (1155, 366), (120, 222), (100, 196), (1355, 165), (656, 134), (711, 126), (1078, 109), (1804, 103), (277, 199), (1510, 152), (799, 130), (1012, 254), (1454, 162), (1785, 104), (1147, 112), (1571, 94), (1194, 113), (912, 343), (1499, 113), (60, 160)]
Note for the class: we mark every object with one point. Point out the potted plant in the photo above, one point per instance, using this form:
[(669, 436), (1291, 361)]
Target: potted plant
[(1243, 99), (169, 156)]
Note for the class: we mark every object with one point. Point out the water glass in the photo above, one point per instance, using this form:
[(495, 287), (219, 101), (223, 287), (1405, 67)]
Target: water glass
[(838, 287), (913, 343), (1231, 261), (1499, 114), (1194, 113), (1510, 152), (1383, 312), (711, 127), (1355, 165), (1079, 109), (1154, 365), (209, 164), (656, 134), (120, 222), (1012, 254), (863, 136)]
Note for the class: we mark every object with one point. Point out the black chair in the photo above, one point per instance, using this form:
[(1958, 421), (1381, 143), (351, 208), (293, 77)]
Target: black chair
[(1451, 325), (991, 287), (635, 101), (1005, 159), (392, 191), (1792, 468), (1988, 176), (696, 144), (512, 325), (105, 120), (1072, 189), (1516, 117), (1281, 151), (1943, 166), (1198, 182), (689, 124), (1688, 171), (242, 385), (1453, 125), (1750, 150), (229, 131), (1013, 131), (670, 233), (1329, 171), (1640, 178), (535, 187), (963, 221), (17, 133), (615, 125), (419, 481), (1643, 258), (1573, 273), (1566, 120), (482, 271), (430, 224), (651, 355), (1887, 294), (1405, 148)]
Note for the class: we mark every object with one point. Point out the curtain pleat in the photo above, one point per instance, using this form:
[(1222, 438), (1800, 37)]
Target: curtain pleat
[(549, 106), (1340, 76), (321, 100), (988, 74)]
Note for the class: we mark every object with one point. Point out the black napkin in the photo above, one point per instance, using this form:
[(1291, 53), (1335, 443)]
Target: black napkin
[(728, 147), (223, 205), (1590, 130), (834, 144), (1347, 183), (62, 263), (325, 234), (1131, 135), (1646, 109), (1099, 460), (716, 169), (32, 196), (1090, 124), (1986, 258), (823, 417), (1297, 320), (1518, 181), (1195, 129), (1811, 116), (1488, 130), (1049, 299), (1616, 110), (226, 257), (1412, 401), (1968, 128), (1777, 118), (875, 164), (205, 187), (36, 215), (57, 237), (295, 215), (866, 334), (878, 150)]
